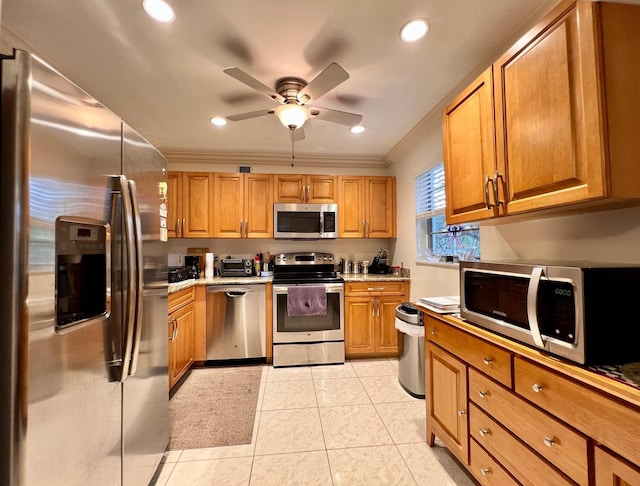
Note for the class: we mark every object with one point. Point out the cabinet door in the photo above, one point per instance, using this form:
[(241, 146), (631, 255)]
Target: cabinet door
[(446, 386), (197, 204), (228, 221), (174, 204), (549, 142), (381, 207), (321, 189), (358, 326), (386, 332), (469, 152), (351, 207), (180, 342), (613, 471), (289, 188), (258, 205)]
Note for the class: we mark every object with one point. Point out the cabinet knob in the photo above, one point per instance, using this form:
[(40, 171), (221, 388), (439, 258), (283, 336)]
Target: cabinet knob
[(485, 471), (483, 393), (433, 331), (536, 388), (484, 432), (487, 361), (461, 412), (548, 441)]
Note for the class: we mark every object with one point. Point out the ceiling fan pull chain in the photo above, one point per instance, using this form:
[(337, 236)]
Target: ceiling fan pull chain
[(292, 140)]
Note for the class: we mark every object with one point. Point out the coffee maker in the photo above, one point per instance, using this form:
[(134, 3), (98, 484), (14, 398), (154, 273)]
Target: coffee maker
[(193, 266)]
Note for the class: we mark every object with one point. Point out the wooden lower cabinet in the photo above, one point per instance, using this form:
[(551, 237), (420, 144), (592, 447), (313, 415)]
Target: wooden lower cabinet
[(370, 318), (517, 416), (447, 401), (181, 333), (611, 470)]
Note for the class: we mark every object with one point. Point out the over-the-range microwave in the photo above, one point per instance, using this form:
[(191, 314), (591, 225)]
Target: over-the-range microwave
[(586, 312), (305, 221)]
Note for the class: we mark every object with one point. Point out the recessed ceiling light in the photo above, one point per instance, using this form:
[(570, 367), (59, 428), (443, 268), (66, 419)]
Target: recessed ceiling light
[(414, 30), (357, 129), (159, 10), (218, 121)]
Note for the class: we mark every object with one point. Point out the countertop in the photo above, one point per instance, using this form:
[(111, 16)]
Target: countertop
[(348, 277)]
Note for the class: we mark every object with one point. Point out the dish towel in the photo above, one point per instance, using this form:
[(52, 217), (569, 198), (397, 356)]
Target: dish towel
[(306, 300)]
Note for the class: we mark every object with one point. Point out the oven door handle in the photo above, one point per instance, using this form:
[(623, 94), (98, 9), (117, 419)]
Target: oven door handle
[(532, 310)]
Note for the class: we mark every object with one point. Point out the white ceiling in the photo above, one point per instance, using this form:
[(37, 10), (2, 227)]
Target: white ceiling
[(167, 80)]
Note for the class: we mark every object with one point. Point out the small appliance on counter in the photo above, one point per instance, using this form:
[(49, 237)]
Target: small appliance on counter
[(193, 265), (177, 274), (380, 262), (236, 267)]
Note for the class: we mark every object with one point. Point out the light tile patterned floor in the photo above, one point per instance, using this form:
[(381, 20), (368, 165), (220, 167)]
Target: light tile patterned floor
[(337, 425)]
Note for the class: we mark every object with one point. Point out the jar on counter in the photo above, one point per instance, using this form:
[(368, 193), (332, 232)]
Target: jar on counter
[(365, 266), (356, 267)]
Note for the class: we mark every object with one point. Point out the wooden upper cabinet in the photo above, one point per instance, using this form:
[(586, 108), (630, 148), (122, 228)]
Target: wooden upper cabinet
[(565, 110), (366, 207), (243, 205), (469, 152), (297, 188), (174, 204), (548, 111), (189, 204), (381, 207)]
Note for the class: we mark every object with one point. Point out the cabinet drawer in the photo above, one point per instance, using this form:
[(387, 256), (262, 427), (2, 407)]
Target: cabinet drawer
[(352, 289), (486, 469), (609, 422), (180, 298), (525, 465), (554, 440), (489, 359), (611, 469)]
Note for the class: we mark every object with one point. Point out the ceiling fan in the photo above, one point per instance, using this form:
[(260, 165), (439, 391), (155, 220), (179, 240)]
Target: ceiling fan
[(294, 95)]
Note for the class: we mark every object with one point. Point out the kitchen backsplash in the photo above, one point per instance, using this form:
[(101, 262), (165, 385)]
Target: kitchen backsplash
[(359, 249)]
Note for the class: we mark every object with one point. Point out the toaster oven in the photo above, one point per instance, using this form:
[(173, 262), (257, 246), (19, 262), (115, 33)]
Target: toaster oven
[(236, 267)]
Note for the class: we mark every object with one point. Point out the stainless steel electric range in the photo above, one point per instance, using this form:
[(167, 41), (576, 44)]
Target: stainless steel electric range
[(308, 310)]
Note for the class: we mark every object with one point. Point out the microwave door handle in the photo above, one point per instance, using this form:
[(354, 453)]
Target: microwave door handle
[(321, 222), (532, 310)]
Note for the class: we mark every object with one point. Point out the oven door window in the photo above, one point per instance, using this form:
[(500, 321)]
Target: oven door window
[(328, 322)]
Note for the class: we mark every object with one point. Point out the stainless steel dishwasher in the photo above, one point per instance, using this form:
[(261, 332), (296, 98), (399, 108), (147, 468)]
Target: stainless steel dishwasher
[(236, 322)]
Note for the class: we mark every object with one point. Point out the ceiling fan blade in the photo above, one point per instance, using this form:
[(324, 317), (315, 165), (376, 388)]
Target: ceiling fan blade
[(252, 82), (335, 116), (251, 114), (296, 135), (324, 82)]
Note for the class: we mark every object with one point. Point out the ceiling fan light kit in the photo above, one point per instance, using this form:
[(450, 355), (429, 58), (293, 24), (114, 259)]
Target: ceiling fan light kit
[(292, 115), (218, 121), (159, 10), (414, 30)]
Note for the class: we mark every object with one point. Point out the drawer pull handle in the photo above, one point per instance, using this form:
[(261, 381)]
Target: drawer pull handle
[(548, 441), (483, 393), (433, 331), (536, 388), (487, 361), (485, 471), (461, 412), (484, 432)]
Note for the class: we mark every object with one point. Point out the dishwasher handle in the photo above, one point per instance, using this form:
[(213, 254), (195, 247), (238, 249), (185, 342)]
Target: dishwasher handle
[(229, 291)]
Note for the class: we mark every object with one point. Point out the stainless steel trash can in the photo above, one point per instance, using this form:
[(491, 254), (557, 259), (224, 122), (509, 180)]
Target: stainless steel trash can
[(410, 328)]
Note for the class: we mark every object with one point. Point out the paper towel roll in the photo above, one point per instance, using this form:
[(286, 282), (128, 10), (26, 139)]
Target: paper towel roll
[(208, 265)]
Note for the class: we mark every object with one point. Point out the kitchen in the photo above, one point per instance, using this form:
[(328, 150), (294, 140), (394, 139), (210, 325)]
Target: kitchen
[(609, 236)]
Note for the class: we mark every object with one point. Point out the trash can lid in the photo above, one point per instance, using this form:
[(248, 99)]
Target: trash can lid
[(408, 308)]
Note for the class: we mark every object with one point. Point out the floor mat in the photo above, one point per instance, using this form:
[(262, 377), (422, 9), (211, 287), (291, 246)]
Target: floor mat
[(214, 407)]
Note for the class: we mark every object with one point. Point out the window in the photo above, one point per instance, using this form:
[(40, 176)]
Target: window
[(435, 240)]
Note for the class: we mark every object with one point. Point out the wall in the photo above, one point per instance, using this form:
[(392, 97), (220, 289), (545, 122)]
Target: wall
[(421, 149)]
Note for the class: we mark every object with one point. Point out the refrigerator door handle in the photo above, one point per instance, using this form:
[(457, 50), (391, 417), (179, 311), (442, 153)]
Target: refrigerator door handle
[(130, 276), (139, 277)]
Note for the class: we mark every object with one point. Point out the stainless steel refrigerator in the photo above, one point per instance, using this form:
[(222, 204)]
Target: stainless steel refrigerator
[(83, 303)]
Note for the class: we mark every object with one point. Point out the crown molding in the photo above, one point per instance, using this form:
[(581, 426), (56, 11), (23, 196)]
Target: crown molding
[(178, 156)]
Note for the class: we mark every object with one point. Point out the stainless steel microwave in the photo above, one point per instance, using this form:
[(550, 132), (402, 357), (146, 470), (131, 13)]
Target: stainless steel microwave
[(305, 221), (585, 312)]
